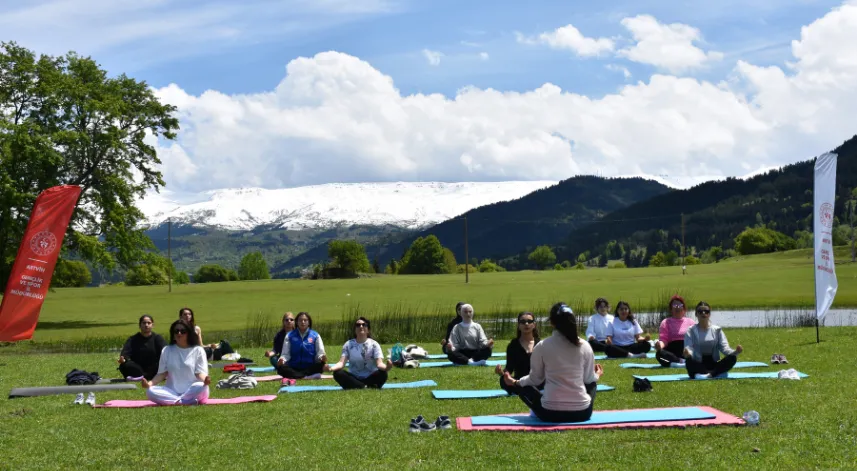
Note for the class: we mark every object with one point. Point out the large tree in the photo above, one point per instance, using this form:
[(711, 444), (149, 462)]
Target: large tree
[(543, 257), (425, 256), (254, 267), (349, 255), (63, 121)]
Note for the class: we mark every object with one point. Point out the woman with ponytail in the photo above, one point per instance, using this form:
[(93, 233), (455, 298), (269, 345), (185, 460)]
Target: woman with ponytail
[(566, 365)]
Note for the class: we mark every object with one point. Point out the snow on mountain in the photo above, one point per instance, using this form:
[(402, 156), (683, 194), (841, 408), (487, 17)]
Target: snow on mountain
[(409, 205)]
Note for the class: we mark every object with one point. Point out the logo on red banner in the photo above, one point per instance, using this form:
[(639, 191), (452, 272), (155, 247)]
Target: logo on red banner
[(44, 243), (826, 215)]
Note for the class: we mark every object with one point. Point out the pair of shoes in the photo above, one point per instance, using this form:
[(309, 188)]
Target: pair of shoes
[(477, 363), (636, 355), (677, 364), (642, 385), (288, 382), (90, 400), (778, 358), (419, 424)]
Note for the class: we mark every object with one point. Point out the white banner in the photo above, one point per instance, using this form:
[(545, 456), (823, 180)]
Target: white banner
[(824, 196)]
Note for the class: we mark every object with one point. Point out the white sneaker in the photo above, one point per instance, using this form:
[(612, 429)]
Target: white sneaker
[(79, 399), (90, 400), (702, 376), (315, 376)]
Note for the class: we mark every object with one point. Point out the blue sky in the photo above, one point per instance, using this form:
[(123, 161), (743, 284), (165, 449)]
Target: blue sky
[(240, 52)]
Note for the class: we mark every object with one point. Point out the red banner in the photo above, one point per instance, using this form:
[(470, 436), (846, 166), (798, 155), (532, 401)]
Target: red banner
[(34, 266)]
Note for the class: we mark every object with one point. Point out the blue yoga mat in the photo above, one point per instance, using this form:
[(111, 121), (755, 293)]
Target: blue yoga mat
[(730, 375), (262, 369), (604, 357), (415, 384), (441, 356), (740, 364), (602, 418), (484, 393), (437, 364)]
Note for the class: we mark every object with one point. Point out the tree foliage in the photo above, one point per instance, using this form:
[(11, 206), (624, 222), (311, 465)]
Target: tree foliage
[(425, 256), (755, 240), (71, 274), (449, 261), (214, 274), (63, 121), (349, 256), (542, 257), (253, 267)]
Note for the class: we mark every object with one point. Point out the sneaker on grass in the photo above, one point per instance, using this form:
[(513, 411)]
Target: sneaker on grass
[(420, 425), (443, 422), (90, 400), (79, 399)]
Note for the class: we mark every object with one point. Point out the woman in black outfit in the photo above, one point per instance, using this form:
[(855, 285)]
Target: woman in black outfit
[(142, 351), (518, 352), (450, 326)]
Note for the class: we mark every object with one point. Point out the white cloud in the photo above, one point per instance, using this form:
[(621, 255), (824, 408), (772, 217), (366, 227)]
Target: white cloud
[(667, 46), (484, 56), (618, 68), (433, 57), (335, 118), (570, 38)]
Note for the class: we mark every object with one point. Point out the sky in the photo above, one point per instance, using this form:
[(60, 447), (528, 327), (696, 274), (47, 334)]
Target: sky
[(287, 93)]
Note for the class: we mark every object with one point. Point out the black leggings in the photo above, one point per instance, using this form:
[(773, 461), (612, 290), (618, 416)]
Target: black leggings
[(709, 366), (515, 390), (287, 371), (532, 397), (134, 370), (349, 381), (598, 346), (671, 353), (460, 357), (615, 351)]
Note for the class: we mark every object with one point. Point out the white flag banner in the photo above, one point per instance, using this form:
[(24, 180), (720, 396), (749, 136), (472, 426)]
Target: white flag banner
[(824, 196)]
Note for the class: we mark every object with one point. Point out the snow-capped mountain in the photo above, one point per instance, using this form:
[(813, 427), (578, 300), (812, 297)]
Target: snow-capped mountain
[(411, 205)]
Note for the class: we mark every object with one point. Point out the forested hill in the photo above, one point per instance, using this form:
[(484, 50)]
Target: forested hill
[(716, 211)]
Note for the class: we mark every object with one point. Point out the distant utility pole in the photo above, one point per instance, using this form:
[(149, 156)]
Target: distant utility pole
[(683, 266), (466, 255), (169, 251)]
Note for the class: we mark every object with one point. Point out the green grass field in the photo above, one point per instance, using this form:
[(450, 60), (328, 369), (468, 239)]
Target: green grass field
[(761, 281), (806, 424)]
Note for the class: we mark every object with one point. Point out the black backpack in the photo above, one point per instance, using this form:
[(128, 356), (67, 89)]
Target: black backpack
[(642, 385)]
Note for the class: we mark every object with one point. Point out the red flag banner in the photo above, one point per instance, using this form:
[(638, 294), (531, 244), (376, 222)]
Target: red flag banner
[(34, 265)]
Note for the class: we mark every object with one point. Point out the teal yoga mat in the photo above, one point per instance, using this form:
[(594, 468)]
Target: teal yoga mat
[(604, 357), (740, 364), (730, 375), (484, 393), (438, 364), (262, 369), (603, 418), (415, 384), (441, 356)]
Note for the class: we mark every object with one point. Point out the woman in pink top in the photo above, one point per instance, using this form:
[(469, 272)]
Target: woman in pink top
[(670, 344)]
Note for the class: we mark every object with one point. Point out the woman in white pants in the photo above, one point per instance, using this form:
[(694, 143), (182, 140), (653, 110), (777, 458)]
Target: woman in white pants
[(187, 365)]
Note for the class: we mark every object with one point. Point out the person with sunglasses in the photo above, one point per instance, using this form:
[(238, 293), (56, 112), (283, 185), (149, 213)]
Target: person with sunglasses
[(670, 345), (519, 351), (703, 344), (468, 344), (185, 367), (625, 337), (288, 326), (596, 328), (366, 366), (303, 355)]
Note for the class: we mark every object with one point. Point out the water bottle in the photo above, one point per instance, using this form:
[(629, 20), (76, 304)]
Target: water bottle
[(751, 417)]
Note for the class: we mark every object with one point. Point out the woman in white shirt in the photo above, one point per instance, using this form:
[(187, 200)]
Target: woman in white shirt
[(566, 365), (366, 367), (625, 336), (703, 344), (596, 329), (185, 367), (468, 344)]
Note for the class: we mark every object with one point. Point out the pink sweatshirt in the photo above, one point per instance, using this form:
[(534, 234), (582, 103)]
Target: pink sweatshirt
[(674, 329)]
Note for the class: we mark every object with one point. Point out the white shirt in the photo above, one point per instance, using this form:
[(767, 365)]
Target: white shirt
[(597, 326), (565, 369), (182, 364), (624, 333), (362, 358)]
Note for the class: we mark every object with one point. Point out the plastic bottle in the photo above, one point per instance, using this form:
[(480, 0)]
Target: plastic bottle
[(751, 417)]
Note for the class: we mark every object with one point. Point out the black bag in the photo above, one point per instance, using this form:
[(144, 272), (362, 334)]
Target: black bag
[(642, 385), (80, 377)]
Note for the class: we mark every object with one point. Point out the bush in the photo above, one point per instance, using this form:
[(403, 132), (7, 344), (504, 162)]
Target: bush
[(618, 265), (146, 275), (558, 267), (579, 266), (214, 274), (487, 266), (762, 240), (71, 274)]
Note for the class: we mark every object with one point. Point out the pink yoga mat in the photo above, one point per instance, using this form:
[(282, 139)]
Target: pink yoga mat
[(721, 418), (210, 402)]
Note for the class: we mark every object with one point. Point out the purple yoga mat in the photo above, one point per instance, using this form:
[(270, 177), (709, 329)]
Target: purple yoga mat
[(210, 402)]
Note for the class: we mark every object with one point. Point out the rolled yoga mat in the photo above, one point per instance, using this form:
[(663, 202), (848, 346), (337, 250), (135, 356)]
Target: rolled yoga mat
[(52, 390), (740, 364), (415, 384), (730, 375), (486, 393)]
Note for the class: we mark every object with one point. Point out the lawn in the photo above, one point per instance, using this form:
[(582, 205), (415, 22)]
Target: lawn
[(761, 281), (809, 423)]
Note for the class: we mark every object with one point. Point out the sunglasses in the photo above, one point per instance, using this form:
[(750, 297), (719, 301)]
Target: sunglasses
[(289, 320), (179, 332), (361, 324), (678, 306), (704, 311), (526, 321)]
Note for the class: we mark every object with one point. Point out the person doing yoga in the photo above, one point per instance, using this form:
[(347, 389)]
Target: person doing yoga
[(596, 329), (566, 365), (670, 344), (185, 367), (444, 344), (703, 344), (303, 353), (142, 351), (468, 344), (288, 326), (366, 367), (518, 352), (625, 336), (214, 351)]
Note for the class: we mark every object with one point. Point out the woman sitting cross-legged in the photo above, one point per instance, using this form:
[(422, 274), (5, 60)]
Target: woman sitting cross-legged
[(468, 344), (185, 367), (566, 365), (670, 344), (519, 351), (703, 344), (366, 367), (288, 326), (596, 329), (625, 336), (141, 353), (303, 353)]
